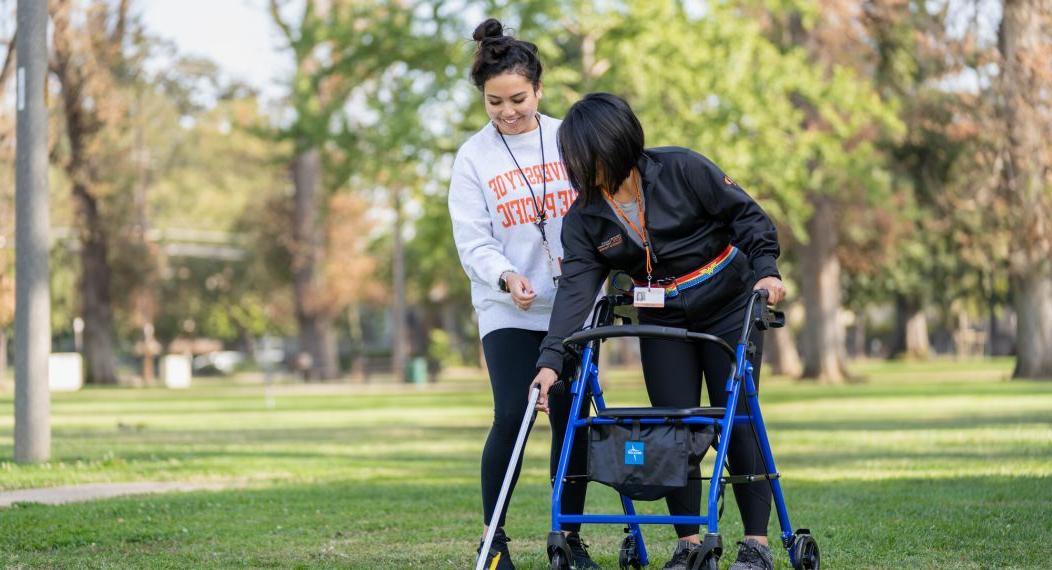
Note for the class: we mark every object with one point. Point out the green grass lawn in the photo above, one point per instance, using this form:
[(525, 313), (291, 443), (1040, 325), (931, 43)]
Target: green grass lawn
[(934, 465)]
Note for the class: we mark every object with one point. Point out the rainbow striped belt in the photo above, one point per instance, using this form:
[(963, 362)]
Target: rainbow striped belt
[(698, 276)]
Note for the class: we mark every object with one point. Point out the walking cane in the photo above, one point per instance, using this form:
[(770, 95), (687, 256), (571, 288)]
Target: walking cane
[(520, 442)]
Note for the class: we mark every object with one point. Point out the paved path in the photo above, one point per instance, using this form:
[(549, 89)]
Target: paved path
[(96, 491)]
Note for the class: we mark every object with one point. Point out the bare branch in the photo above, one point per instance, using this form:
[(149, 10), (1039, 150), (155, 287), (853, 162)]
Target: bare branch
[(122, 23), (275, 13)]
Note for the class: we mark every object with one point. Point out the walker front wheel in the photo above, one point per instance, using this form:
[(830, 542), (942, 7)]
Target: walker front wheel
[(805, 552), (629, 558), (559, 556), (706, 556), (557, 562), (704, 561)]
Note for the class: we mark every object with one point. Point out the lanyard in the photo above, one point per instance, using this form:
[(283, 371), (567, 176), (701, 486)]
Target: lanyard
[(539, 209), (542, 215), (642, 233)]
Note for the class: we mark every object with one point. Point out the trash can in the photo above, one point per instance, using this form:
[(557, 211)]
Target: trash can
[(416, 372)]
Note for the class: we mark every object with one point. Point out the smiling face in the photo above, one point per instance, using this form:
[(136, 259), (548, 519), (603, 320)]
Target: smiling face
[(511, 102)]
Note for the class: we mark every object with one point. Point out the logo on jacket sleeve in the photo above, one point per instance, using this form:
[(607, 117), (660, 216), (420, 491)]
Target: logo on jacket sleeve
[(611, 243)]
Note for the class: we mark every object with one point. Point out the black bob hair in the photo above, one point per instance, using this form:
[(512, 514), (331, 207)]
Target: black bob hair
[(600, 141), (498, 53)]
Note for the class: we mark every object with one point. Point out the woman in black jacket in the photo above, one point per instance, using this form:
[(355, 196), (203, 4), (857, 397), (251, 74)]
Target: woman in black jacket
[(683, 230)]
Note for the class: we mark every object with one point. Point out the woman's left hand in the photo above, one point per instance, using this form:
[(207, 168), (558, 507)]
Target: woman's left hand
[(775, 289)]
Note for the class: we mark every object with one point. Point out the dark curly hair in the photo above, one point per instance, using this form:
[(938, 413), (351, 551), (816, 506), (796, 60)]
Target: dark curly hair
[(498, 53)]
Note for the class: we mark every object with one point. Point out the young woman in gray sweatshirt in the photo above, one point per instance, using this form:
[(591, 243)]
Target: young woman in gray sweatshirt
[(507, 198)]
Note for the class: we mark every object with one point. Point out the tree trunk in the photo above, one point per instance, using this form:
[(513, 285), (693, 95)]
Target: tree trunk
[(82, 124), (145, 296), (782, 356), (1024, 89), (822, 339), (399, 352), (1033, 304), (100, 357), (917, 345), (911, 330), (317, 340)]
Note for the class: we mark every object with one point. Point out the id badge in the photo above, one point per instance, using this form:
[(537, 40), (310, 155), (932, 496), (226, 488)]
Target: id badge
[(650, 297)]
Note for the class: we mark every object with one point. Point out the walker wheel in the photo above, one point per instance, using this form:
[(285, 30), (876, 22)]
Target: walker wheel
[(805, 552), (557, 562), (629, 558), (706, 556), (708, 560)]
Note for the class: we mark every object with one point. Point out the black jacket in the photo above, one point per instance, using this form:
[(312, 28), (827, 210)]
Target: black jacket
[(692, 209)]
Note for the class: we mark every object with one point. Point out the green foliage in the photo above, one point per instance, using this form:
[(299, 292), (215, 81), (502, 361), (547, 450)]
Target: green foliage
[(380, 87), (918, 249), (210, 193), (781, 125), (63, 265), (433, 256)]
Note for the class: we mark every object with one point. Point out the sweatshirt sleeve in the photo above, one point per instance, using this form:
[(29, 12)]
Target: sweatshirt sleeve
[(481, 254), (751, 229), (583, 275)]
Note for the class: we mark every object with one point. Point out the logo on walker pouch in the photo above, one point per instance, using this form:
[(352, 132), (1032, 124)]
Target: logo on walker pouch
[(633, 453)]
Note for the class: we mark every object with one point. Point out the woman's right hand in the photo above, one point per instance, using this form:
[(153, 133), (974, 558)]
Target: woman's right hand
[(522, 293), (544, 380)]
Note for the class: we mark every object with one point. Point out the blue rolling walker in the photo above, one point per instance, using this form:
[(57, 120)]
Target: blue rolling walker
[(800, 545)]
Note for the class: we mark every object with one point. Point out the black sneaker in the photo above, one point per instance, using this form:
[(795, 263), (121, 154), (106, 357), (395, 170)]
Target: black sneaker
[(579, 550), (498, 558), (679, 556), (753, 556)]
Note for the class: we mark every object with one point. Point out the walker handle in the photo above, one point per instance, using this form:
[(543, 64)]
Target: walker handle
[(767, 318), (647, 331)]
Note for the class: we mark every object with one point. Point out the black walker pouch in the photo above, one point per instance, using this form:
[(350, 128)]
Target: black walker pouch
[(646, 462)]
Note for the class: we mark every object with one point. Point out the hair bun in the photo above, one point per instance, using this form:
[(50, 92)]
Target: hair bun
[(499, 52), (491, 28)]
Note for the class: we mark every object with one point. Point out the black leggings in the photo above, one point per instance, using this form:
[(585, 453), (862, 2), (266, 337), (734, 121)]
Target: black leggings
[(673, 370), (511, 357)]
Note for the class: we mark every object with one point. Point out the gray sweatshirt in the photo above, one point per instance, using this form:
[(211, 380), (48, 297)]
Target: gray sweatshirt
[(493, 216)]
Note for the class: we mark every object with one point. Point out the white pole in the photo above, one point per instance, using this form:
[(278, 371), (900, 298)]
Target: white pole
[(520, 442), (32, 290)]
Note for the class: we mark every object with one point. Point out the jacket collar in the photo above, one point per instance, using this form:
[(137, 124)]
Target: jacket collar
[(649, 168)]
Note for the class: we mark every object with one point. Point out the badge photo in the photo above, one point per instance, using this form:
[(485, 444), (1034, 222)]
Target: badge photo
[(649, 297)]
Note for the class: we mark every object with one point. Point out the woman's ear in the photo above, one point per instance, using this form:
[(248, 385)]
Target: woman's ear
[(539, 91)]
